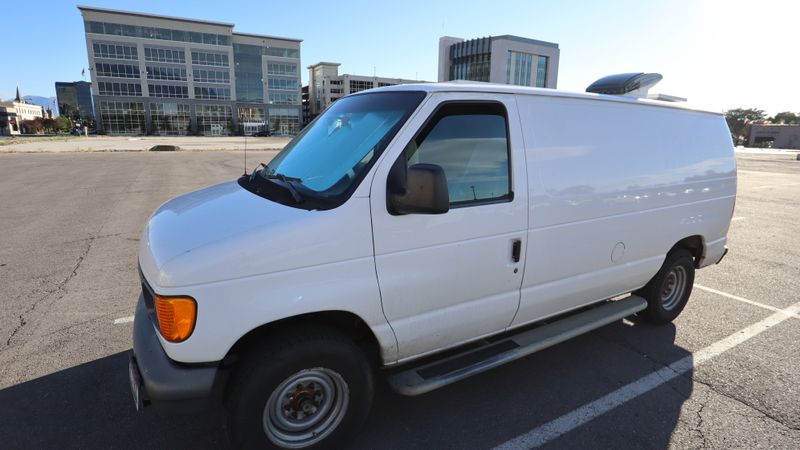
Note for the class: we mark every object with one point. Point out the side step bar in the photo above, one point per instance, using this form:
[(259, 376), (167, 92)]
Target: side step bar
[(427, 377)]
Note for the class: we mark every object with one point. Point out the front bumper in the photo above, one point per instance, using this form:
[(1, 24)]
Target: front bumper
[(164, 381)]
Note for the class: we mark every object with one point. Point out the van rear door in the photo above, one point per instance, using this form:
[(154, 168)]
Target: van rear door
[(450, 278)]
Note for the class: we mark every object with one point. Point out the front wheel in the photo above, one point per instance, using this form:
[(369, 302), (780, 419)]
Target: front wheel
[(668, 291), (308, 388)]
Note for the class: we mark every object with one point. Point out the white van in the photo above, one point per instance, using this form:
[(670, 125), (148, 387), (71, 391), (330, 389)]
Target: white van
[(410, 220)]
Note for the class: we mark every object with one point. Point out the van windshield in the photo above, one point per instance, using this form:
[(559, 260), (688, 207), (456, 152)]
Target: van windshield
[(331, 155)]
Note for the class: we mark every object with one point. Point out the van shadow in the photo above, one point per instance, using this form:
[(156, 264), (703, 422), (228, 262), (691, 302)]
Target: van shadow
[(90, 406), (499, 405)]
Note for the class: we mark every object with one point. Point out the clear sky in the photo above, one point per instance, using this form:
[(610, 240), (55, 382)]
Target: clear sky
[(720, 54)]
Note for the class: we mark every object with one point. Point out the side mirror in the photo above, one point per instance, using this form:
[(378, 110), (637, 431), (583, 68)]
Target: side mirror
[(423, 190)]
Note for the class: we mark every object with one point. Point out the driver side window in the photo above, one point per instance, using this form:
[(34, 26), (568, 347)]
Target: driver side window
[(470, 142)]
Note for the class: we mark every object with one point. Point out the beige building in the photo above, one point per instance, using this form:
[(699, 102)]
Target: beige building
[(14, 113), (774, 136), (325, 85), (499, 59), (164, 75)]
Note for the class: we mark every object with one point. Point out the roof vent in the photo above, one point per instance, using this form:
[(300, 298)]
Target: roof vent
[(627, 84)]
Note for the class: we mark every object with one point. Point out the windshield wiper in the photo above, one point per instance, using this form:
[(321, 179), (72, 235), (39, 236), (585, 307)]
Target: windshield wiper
[(289, 182)]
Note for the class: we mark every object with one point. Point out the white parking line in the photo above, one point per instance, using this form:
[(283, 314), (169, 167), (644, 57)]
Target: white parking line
[(744, 300), (766, 186), (123, 320), (584, 414), (736, 219)]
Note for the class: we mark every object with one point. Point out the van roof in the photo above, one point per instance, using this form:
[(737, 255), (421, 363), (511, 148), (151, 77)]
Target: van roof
[(467, 86)]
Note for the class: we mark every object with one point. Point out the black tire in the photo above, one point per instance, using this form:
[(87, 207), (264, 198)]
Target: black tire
[(669, 290), (311, 353)]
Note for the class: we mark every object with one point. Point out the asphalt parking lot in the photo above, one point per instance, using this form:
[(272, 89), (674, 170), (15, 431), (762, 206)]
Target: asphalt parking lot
[(726, 374)]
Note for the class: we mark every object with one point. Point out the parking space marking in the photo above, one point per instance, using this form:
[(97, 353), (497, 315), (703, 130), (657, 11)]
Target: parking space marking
[(123, 320), (586, 413), (744, 300), (766, 186), (736, 219)]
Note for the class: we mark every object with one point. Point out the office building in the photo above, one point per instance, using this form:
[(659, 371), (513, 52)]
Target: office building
[(174, 76), (75, 100), (499, 59), (325, 85)]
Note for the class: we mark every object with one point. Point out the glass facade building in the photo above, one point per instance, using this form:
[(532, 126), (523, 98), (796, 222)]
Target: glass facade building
[(75, 100), (169, 119), (164, 75), (471, 60), (499, 59)]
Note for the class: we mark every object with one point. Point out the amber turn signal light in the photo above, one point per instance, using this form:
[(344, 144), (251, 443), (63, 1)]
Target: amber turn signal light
[(176, 317)]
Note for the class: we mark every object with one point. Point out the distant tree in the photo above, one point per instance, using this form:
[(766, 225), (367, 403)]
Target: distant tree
[(738, 119), (786, 118), (63, 124), (67, 110), (49, 125)]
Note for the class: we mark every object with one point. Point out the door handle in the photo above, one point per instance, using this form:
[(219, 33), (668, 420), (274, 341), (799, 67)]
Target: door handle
[(516, 248)]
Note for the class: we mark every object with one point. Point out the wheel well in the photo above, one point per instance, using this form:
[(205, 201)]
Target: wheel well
[(345, 322), (695, 245)]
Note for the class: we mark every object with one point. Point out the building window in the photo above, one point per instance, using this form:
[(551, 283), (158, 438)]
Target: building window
[(177, 56), (122, 117), (337, 90), (383, 84), (170, 119), (249, 72), (284, 121), (518, 68), (166, 34), (211, 76), (541, 71), (120, 89), (471, 60), (282, 52), (360, 85), (168, 91), (200, 58), (115, 51), (282, 98), (116, 70), (166, 73), (214, 120), (212, 93), (280, 68), (283, 84), (251, 120)]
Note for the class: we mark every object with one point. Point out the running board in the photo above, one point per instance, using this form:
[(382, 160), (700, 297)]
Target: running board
[(427, 377)]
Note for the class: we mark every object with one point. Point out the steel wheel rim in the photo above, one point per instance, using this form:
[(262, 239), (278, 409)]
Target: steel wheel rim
[(673, 288), (305, 408)]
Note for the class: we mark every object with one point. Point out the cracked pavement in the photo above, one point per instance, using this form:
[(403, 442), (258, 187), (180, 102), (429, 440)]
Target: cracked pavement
[(71, 225)]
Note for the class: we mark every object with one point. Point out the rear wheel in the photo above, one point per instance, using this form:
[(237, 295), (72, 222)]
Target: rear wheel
[(309, 388), (669, 290)]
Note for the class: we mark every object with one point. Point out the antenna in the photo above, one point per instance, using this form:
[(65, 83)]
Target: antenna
[(241, 122)]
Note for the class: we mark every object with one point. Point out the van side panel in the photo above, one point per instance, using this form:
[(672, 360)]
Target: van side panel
[(606, 175)]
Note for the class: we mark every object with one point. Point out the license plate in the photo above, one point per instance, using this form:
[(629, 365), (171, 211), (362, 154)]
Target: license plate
[(136, 383)]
